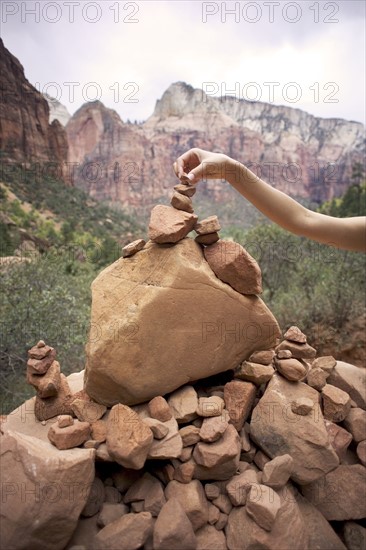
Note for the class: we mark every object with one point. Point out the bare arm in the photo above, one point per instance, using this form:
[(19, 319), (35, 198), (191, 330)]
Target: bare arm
[(345, 233)]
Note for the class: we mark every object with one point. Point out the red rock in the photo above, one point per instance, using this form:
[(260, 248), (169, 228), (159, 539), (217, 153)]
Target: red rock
[(48, 384), (209, 538), (302, 406), (41, 366), (110, 512), (128, 438), (170, 446), (326, 362), (173, 530), (239, 397), (187, 190), (169, 225), (355, 422), (226, 448), (294, 334), (219, 472), (190, 435), (132, 529), (317, 378), (95, 499), (222, 521), (184, 473), (159, 409), (336, 403), (41, 344), (181, 202), (263, 505), (299, 351), (207, 226), (44, 409), (292, 369), (339, 438), (140, 488), (350, 379), (39, 352), (192, 498), (340, 494), (361, 452), (186, 454), (277, 472), (283, 354), (183, 403), (210, 406), (99, 431), (155, 499), (87, 411), (131, 248), (209, 238), (212, 491), (65, 420), (213, 428), (69, 437), (159, 429), (263, 357), (254, 372), (239, 486), (223, 503), (234, 265)]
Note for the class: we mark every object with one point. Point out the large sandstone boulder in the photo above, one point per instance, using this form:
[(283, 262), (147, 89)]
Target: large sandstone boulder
[(161, 318)]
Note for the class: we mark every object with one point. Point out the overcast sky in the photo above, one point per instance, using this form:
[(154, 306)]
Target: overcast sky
[(304, 54)]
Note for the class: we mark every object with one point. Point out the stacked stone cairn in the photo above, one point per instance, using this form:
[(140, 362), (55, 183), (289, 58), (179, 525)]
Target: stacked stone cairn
[(269, 455)]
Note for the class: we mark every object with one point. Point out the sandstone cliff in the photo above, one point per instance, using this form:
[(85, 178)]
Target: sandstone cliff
[(25, 132), (305, 156)]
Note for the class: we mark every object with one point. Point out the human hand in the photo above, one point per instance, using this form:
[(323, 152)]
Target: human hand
[(197, 164)]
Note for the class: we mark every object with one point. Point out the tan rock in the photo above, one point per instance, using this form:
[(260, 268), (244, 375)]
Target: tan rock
[(57, 405), (239, 397), (294, 334), (299, 351), (350, 379), (42, 493), (173, 530), (65, 420), (132, 529), (234, 265), (222, 522), (302, 406), (254, 372), (186, 454), (317, 378), (212, 491), (288, 531), (41, 366), (277, 472), (210, 406), (292, 369), (361, 452), (69, 437), (95, 499), (170, 446), (128, 438), (192, 498), (159, 429), (219, 472), (183, 403), (260, 459), (223, 504), (340, 494), (263, 504), (159, 409), (155, 499), (190, 435), (87, 411), (213, 514), (48, 384), (209, 538), (39, 352), (226, 448), (110, 512), (213, 428), (355, 422), (277, 430), (326, 362), (184, 472), (244, 438), (208, 239), (99, 431), (131, 248), (339, 438), (354, 535), (263, 357), (208, 225), (283, 354), (181, 202), (239, 486), (130, 293), (187, 190), (169, 225), (336, 403), (140, 488)]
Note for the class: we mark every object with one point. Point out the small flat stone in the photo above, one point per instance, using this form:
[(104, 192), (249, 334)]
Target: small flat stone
[(209, 238), (213, 514), (187, 190), (277, 472), (41, 366), (190, 435), (239, 486), (260, 459), (159, 409), (186, 454), (263, 504), (336, 403), (159, 429), (48, 384), (213, 428), (39, 352), (326, 362), (133, 529), (292, 369), (208, 225), (239, 398), (131, 248), (283, 354), (317, 378), (212, 491), (181, 202), (65, 420), (302, 406), (210, 406), (254, 372), (184, 403), (223, 503), (263, 357), (70, 436), (222, 521), (87, 411), (184, 472), (294, 334), (226, 448), (169, 225), (299, 351), (355, 422), (339, 438)]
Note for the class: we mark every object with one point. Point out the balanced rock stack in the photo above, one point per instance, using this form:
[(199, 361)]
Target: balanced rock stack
[(255, 457)]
